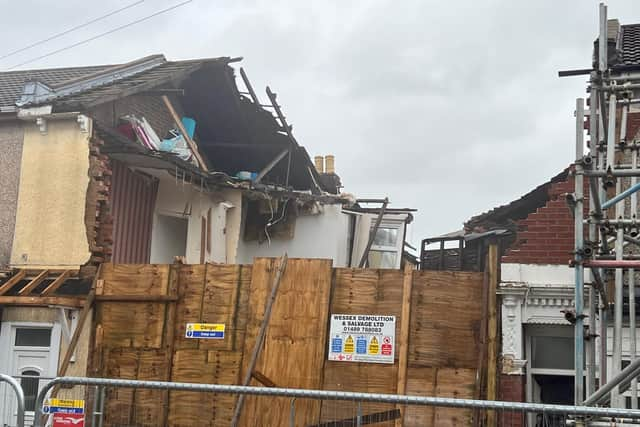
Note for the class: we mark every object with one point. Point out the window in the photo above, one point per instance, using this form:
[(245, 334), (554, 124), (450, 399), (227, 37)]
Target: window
[(551, 352), (29, 383), (386, 249), (33, 337)]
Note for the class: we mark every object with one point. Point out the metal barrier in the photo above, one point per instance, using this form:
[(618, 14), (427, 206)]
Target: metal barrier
[(19, 395), (576, 411)]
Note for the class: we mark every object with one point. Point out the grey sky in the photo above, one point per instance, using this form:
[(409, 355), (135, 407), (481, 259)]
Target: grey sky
[(449, 107)]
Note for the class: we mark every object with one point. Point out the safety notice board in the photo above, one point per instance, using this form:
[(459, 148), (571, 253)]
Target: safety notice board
[(362, 338)]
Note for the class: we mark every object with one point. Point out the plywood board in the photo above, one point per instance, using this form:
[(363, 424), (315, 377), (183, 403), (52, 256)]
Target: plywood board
[(294, 348), (190, 290), (363, 291), (220, 302), (132, 324), (445, 319), (135, 279)]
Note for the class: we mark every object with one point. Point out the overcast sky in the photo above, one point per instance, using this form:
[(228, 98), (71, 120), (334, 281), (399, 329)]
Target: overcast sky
[(450, 107)]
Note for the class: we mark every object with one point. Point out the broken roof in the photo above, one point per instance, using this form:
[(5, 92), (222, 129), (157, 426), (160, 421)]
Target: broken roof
[(233, 132), (623, 46), (508, 214)]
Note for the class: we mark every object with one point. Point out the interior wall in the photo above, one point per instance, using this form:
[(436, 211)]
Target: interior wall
[(170, 238), (316, 236), (50, 230), (11, 136), (183, 200)]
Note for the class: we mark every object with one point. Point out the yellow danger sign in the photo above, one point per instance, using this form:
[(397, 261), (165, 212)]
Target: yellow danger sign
[(205, 330), (348, 345), (374, 346), (66, 403)]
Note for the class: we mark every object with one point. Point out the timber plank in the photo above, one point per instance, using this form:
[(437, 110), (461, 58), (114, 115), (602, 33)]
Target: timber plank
[(53, 286), (14, 280), (29, 287), (35, 300)]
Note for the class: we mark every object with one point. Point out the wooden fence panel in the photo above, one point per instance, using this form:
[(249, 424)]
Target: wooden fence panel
[(146, 340)]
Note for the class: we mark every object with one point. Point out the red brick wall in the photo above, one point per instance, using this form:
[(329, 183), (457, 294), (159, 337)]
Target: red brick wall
[(511, 389), (546, 236)]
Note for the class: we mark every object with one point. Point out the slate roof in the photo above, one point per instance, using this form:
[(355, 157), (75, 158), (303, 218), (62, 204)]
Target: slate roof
[(108, 82), (12, 82), (630, 44)]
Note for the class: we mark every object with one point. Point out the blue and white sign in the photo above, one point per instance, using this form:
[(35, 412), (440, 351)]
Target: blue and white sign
[(205, 331)]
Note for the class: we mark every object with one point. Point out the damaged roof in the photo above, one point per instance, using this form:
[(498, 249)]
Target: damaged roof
[(508, 214), (234, 133)]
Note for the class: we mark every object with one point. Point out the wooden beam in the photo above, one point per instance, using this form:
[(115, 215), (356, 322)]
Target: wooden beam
[(53, 286), (375, 418), (372, 235), (192, 145), (6, 287), (33, 283), (492, 328), (136, 298), (36, 300), (260, 338), (84, 314), (262, 379), (403, 347), (271, 165), (247, 84)]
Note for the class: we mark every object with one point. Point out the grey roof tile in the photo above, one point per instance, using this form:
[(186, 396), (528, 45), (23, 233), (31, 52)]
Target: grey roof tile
[(630, 44), (12, 82)]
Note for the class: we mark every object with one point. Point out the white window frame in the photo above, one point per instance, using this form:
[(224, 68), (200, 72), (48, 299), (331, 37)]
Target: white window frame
[(397, 248)]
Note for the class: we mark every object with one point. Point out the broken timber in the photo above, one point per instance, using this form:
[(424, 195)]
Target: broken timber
[(192, 145), (260, 338)]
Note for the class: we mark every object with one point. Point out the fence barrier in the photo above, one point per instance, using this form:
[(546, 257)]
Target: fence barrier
[(19, 396), (544, 409)]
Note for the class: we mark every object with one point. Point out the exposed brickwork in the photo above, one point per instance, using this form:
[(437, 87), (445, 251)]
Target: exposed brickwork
[(633, 126), (97, 213), (546, 235), (511, 388)]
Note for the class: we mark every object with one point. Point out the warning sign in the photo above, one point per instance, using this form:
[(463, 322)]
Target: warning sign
[(214, 331), (63, 406), (362, 338), (66, 420)]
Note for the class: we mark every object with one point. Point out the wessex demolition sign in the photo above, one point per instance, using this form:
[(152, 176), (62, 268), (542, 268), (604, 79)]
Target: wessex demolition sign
[(362, 338)]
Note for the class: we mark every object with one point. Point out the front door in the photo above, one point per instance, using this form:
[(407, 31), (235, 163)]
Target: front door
[(32, 359)]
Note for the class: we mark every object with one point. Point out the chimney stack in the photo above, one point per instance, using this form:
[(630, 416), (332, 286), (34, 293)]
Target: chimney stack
[(330, 164), (319, 161)]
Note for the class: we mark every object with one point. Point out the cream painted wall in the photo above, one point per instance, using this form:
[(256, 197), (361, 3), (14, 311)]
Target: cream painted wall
[(50, 226)]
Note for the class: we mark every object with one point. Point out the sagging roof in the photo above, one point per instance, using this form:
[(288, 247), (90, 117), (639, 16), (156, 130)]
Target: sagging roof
[(234, 133), (508, 214)]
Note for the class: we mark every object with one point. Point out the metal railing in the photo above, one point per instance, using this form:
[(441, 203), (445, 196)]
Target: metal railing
[(19, 396), (545, 409)]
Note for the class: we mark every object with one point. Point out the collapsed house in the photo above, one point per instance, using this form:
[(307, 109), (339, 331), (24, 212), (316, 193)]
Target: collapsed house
[(153, 161)]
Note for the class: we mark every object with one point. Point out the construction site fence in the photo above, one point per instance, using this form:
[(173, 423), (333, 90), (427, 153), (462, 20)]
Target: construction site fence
[(97, 390)]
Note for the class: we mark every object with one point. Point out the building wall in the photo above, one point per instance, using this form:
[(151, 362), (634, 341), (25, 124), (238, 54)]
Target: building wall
[(546, 236), (183, 200), (11, 135), (78, 367), (323, 235), (511, 389), (50, 228)]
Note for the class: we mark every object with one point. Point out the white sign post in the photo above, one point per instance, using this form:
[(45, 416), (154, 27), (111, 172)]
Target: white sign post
[(362, 338)]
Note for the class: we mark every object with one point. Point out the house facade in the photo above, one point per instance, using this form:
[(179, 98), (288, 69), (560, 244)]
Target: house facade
[(151, 161)]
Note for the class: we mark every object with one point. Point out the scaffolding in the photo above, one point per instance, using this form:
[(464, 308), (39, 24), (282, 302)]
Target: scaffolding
[(607, 251)]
